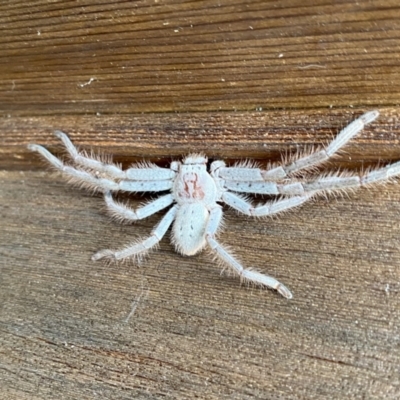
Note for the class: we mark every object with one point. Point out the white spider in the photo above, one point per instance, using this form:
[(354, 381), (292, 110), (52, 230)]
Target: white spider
[(195, 194)]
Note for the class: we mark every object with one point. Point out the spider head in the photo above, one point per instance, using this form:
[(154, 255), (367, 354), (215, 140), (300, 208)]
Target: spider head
[(195, 159), (190, 163)]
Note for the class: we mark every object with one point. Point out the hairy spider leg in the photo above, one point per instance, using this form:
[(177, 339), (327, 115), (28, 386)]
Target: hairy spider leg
[(96, 182), (122, 212), (245, 274), (249, 174), (340, 180), (143, 246), (269, 208), (138, 172)]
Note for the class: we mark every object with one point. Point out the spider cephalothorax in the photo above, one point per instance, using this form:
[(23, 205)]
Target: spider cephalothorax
[(195, 194)]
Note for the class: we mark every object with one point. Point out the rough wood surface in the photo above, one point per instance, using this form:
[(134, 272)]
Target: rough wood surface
[(123, 57), (231, 136), (193, 332), (234, 79)]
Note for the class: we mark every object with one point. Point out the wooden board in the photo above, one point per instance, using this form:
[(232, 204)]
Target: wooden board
[(232, 79)]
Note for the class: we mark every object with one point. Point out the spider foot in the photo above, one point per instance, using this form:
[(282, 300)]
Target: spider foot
[(369, 116), (267, 281), (284, 291), (106, 254)]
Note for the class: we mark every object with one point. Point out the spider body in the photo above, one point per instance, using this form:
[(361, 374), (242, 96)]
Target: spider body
[(195, 194)]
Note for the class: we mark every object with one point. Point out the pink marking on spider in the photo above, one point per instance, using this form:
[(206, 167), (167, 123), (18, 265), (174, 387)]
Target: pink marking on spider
[(192, 188)]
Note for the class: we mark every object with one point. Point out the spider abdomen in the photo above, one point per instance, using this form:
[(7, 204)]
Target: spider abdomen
[(189, 228)]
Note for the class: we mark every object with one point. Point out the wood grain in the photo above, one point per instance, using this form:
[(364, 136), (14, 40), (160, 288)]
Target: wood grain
[(126, 57), (193, 331), (233, 79), (263, 136)]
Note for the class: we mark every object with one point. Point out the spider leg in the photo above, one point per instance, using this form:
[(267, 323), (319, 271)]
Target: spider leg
[(153, 172), (143, 246), (381, 174), (224, 255), (346, 180), (329, 182), (344, 136), (336, 181), (301, 192), (272, 207), (248, 174), (88, 162), (122, 212), (97, 182)]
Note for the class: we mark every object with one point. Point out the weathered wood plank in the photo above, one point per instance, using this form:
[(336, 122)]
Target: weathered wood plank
[(194, 332), (161, 137), (124, 57), (233, 79)]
